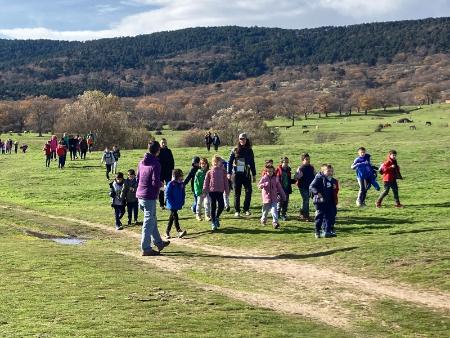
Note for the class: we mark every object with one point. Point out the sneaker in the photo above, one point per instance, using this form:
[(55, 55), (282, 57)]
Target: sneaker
[(237, 214), (208, 219), (129, 223), (163, 245), (119, 227), (378, 204), (227, 209), (168, 236), (283, 218), (181, 234), (317, 235), (150, 253), (213, 227), (398, 205), (198, 217), (248, 213), (327, 235), (217, 223), (276, 225), (358, 204), (333, 234), (263, 222)]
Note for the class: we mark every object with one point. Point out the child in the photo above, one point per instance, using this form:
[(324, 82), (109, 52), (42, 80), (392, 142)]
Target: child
[(191, 177), (61, 151), (16, 146), (116, 154), (117, 201), (54, 146), (216, 183), (304, 176), (175, 196), (325, 189), (284, 174), (202, 198), (364, 175), (108, 159), (391, 173), (48, 154), (270, 189), (226, 196), (129, 194)]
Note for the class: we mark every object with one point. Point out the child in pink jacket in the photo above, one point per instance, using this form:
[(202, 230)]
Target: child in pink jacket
[(270, 190), (216, 183)]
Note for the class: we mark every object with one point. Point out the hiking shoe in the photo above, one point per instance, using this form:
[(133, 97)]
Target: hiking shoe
[(398, 205), (213, 227), (119, 227), (377, 204), (207, 219), (150, 253), (129, 223), (327, 235), (263, 222), (199, 218), (276, 225), (163, 245), (237, 214), (181, 234), (168, 236), (248, 213)]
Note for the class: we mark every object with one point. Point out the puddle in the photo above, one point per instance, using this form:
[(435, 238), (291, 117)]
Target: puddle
[(57, 239)]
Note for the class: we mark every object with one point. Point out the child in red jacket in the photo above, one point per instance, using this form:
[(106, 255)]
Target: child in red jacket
[(391, 173), (48, 154)]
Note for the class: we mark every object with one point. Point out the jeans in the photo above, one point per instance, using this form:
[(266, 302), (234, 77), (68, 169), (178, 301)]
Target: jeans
[(119, 211), (114, 167), (150, 233), (73, 153), (363, 186), (132, 210), (325, 217), (240, 180), (203, 201), (387, 187), (272, 207), (108, 170), (283, 206), (173, 219), (216, 199), (304, 211), (62, 161), (48, 159)]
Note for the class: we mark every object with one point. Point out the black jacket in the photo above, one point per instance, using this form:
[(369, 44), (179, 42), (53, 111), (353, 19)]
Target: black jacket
[(167, 164), (322, 185), (247, 155)]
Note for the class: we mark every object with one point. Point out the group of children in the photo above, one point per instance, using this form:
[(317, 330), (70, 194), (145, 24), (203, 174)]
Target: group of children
[(7, 146), (211, 189)]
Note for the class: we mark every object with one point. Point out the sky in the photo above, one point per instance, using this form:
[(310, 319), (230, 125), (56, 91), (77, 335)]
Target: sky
[(93, 19)]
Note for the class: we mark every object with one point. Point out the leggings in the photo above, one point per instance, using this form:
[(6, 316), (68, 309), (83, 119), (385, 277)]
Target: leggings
[(216, 198)]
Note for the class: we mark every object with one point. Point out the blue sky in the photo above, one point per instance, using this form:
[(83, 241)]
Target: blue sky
[(92, 19)]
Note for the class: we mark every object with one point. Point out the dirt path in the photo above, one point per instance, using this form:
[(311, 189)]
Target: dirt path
[(306, 289)]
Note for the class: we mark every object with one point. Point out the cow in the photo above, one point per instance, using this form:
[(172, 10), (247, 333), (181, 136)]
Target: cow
[(428, 123), (305, 126), (305, 131), (413, 127), (387, 125)]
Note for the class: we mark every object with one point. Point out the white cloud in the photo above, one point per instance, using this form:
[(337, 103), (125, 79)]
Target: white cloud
[(362, 8)]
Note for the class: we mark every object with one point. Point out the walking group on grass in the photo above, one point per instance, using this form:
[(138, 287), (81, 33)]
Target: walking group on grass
[(211, 183), (7, 146)]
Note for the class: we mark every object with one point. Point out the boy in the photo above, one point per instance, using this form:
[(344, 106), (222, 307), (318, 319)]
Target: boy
[(129, 194), (48, 154), (116, 154), (108, 159), (325, 189), (190, 178), (117, 201), (304, 176), (364, 175), (175, 196), (391, 173), (283, 172)]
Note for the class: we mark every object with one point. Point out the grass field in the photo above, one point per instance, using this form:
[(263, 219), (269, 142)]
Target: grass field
[(387, 273)]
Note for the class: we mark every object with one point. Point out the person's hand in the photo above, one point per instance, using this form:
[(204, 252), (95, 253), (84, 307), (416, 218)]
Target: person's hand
[(393, 166), (229, 176), (254, 179)]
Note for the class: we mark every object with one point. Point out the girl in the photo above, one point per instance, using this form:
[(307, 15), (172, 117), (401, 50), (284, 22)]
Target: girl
[(391, 173), (216, 183), (270, 189), (202, 198), (284, 173)]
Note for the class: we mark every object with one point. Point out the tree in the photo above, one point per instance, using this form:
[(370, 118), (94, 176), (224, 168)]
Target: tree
[(366, 101), (41, 111)]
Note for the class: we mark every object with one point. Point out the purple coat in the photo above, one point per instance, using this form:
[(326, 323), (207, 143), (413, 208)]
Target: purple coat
[(149, 178)]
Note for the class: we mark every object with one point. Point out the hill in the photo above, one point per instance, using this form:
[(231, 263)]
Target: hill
[(143, 65)]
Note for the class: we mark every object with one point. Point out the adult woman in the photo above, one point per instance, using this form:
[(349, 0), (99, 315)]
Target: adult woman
[(242, 164)]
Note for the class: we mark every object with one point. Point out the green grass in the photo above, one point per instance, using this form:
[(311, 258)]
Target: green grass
[(408, 245)]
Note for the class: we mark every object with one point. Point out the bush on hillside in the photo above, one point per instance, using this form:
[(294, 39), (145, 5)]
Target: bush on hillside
[(194, 138)]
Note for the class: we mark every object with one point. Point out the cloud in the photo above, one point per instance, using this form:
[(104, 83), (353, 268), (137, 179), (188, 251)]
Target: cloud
[(102, 9), (176, 14)]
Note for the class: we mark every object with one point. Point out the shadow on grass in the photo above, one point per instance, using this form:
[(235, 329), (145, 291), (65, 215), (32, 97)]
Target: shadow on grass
[(428, 205), (416, 231), (277, 257), (372, 222)]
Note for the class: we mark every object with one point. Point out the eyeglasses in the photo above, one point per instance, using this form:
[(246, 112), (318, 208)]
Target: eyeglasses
[(242, 138)]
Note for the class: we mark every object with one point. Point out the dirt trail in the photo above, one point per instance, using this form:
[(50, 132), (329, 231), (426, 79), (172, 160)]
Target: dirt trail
[(309, 290)]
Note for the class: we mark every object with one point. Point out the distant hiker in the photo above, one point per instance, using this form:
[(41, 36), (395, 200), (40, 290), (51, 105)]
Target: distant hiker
[(53, 146), (83, 148), (117, 199), (271, 192), (242, 164), (48, 153), (365, 175), (149, 184), (73, 141), (203, 199), (108, 159), (226, 195), (16, 146), (305, 175), (216, 183), (8, 146), (175, 196), (391, 173), (116, 154), (324, 189), (90, 141), (216, 141), (61, 151), (129, 195), (79, 139), (208, 140), (191, 177), (2, 147), (167, 165), (284, 174)]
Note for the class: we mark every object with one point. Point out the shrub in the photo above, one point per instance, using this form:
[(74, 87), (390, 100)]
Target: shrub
[(180, 125), (194, 138)]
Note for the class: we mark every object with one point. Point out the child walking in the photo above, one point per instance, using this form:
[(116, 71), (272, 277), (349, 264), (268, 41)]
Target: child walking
[(391, 173), (117, 200), (48, 154), (116, 154), (325, 189), (216, 183), (304, 176), (61, 151), (195, 166), (364, 174), (109, 160), (129, 194), (284, 174), (175, 195), (203, 199), (270, 189)]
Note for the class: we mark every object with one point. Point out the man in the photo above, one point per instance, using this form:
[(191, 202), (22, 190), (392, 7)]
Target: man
[(167, 165), (149, 184)]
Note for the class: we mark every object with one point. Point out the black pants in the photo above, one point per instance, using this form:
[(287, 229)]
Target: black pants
[(162, 203), (48, 159), (283, 206), (208, 146), (216, 148), (108, 170), (216, 199), (119, 211), (173, 219), (83, 154), (132, 210), (73, 153), (325, 217), (62, 161), (387, 187), (240, 180)]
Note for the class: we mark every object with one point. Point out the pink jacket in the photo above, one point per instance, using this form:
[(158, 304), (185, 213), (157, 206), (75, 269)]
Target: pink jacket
[(216, 181), (270, 188), (53, 143)]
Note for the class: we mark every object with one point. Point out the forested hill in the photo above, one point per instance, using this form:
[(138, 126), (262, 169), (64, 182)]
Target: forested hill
[(134, 66)]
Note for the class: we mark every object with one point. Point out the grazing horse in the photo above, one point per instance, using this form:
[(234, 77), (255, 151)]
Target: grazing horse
[(305, 131), (412, 127)]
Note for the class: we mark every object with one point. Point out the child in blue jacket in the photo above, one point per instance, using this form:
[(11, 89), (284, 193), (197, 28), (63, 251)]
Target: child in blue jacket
[(365, 174), (175, 195)]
